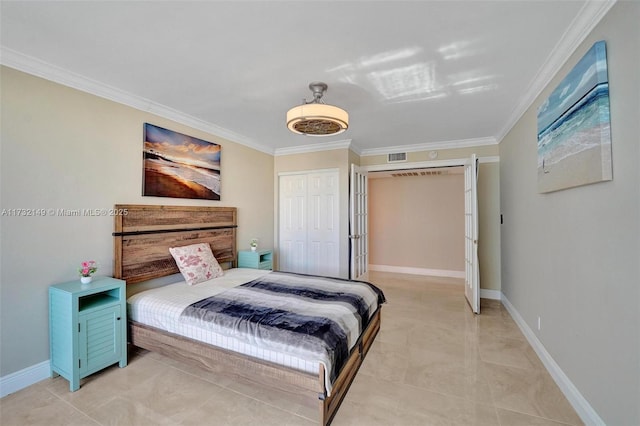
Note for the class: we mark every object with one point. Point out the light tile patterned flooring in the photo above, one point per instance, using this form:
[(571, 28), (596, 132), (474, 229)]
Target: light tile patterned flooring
[(433, 363)]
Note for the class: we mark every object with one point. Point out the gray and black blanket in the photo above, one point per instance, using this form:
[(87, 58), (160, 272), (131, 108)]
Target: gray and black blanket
[(317, 319)]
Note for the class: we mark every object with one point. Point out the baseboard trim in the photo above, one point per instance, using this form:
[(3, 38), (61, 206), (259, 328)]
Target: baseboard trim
[(417, 271), (579, 403), (484, 293), (26, 377), (490, 294)]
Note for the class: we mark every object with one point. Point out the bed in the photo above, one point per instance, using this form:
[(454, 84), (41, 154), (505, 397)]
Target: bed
[(142, 239)]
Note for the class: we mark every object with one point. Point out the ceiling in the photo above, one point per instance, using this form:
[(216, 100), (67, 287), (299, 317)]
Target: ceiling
[(410, 74)]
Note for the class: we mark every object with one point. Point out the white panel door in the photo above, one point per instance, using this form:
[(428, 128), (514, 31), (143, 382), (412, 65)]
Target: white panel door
[(358, 222), (293, 223), (472, 276), (323, 220), (310, 223)]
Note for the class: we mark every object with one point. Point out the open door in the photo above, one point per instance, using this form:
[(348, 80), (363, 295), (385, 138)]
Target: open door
[(472, 276), (358, 222)]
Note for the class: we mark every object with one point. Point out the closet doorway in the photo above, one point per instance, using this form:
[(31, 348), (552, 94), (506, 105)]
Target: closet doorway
[(467, 239), (416, 222)]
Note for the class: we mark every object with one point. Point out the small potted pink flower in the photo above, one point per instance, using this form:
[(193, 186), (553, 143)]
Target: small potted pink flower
[(86, 270)]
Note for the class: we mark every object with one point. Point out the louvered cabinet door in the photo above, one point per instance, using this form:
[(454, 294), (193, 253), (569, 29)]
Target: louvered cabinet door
[(100, 341)]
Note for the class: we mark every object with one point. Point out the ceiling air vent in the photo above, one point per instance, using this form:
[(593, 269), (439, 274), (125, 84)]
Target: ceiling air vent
[(404, 174), (397, 157), (430, 172)]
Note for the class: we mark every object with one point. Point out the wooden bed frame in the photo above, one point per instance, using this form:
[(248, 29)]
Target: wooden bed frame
[(142, 239)]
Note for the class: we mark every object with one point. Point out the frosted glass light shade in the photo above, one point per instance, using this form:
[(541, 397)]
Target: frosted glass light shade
[(317, 119)]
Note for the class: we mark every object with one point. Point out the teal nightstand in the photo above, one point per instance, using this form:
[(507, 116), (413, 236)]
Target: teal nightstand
[(87, 327), (259, 259)]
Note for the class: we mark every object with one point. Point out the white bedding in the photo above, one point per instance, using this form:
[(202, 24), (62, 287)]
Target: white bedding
[(162, 307)]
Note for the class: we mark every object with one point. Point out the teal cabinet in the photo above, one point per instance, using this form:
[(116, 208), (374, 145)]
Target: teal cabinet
[(87, 328), (259, 259)]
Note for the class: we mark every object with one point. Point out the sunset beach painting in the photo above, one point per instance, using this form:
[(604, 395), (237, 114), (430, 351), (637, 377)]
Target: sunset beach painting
[(179, 166), (574, 134)]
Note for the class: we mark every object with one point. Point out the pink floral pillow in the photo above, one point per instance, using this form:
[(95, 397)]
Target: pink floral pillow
[(196, 262)]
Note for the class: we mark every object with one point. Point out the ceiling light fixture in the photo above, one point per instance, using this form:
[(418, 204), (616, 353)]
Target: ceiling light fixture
[(315, 118)]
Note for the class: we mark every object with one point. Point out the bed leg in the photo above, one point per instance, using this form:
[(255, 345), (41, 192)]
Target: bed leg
[(323, 398)]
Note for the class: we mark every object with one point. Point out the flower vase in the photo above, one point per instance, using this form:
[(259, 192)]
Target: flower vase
[(253, 248), (85, 280)]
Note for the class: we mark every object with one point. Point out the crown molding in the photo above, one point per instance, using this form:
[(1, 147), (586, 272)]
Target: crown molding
[(39, 68), (461, 143), (314, 147), (585, 21), (356, 148)]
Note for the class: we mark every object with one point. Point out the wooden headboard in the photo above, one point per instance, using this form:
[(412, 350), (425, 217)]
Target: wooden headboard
[(143, 235)]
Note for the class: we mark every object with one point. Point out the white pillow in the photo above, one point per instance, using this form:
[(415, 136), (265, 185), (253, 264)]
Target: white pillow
[(196, 263)]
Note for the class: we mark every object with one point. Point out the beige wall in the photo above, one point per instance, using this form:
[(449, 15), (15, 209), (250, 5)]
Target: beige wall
[(571, 257), (489, 227), (331, 159), (417, 222), (353, 159), (62, 148)]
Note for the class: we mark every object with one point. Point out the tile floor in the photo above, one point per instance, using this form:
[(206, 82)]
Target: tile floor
[(433, 363)]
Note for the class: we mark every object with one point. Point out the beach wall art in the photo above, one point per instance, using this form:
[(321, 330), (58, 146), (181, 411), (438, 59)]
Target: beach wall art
[(179, 166), (574, 138)]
